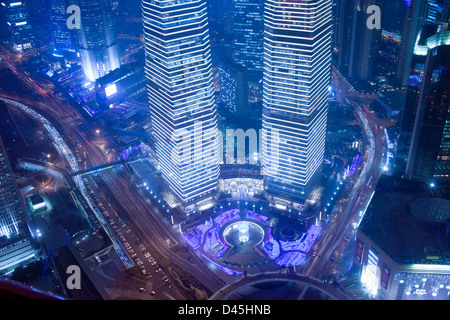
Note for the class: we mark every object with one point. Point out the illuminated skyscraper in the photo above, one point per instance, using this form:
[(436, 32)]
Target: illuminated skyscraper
[(423, 151), (181, 96), (15, 245), (365, 43), (233, 88), (414, 20), (18, 20), (96, 39), (62, 37), (297, 71), (249, 34)]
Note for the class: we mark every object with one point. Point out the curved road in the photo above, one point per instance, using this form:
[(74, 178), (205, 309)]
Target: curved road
[(333, 292)]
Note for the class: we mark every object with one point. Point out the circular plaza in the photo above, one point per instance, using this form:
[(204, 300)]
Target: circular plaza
[(239, 239)]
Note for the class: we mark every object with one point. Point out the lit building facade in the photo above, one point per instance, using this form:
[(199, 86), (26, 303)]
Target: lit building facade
[(63, 38), (233, 88), (96, 39), (15, 245), (18, 20), (424, 143), (297, 69), (248, 22), (181, 97), (414, 21)]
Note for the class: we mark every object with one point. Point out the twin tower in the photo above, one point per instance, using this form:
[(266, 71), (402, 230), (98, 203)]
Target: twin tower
[(296, 77)]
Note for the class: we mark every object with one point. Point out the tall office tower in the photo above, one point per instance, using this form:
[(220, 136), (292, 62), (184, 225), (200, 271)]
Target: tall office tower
[(15, 245), (343, 30), (415, 78), (96, 39), (424, 143), (249, 34), (181, 96), (297, 74), (18, 20), (414, 20), (220, 17), (233, 88), (433, 11), (365, 42), (62, 37), (39, 20)]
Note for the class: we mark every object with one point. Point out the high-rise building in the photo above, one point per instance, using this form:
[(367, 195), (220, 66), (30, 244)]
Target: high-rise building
[(356, 46), (220, 20), (365, 42), (17, 18), (343, 30), (181, 96), (233, 88), (249, 34), (423, 151), (432, 11), (96, 39), (15, 245), (414, 21), (40, 21), (62, 37), (297, 74)]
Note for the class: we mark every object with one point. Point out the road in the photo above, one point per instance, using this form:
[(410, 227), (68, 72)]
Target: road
[(155, 229), (67, 121), (359, 193)]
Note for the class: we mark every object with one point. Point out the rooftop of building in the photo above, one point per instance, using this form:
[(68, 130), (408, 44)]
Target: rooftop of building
[(398, 221), (36, 199)]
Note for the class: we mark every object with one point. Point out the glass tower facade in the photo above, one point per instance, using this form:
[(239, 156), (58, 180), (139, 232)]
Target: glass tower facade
[(249, 34), (62, 37), (96, 39), (423, 151), (181, 96), (18, 21), (297, 74), (15, 245)]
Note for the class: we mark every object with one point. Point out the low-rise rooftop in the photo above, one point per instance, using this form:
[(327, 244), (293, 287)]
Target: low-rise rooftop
[(399, 220)]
